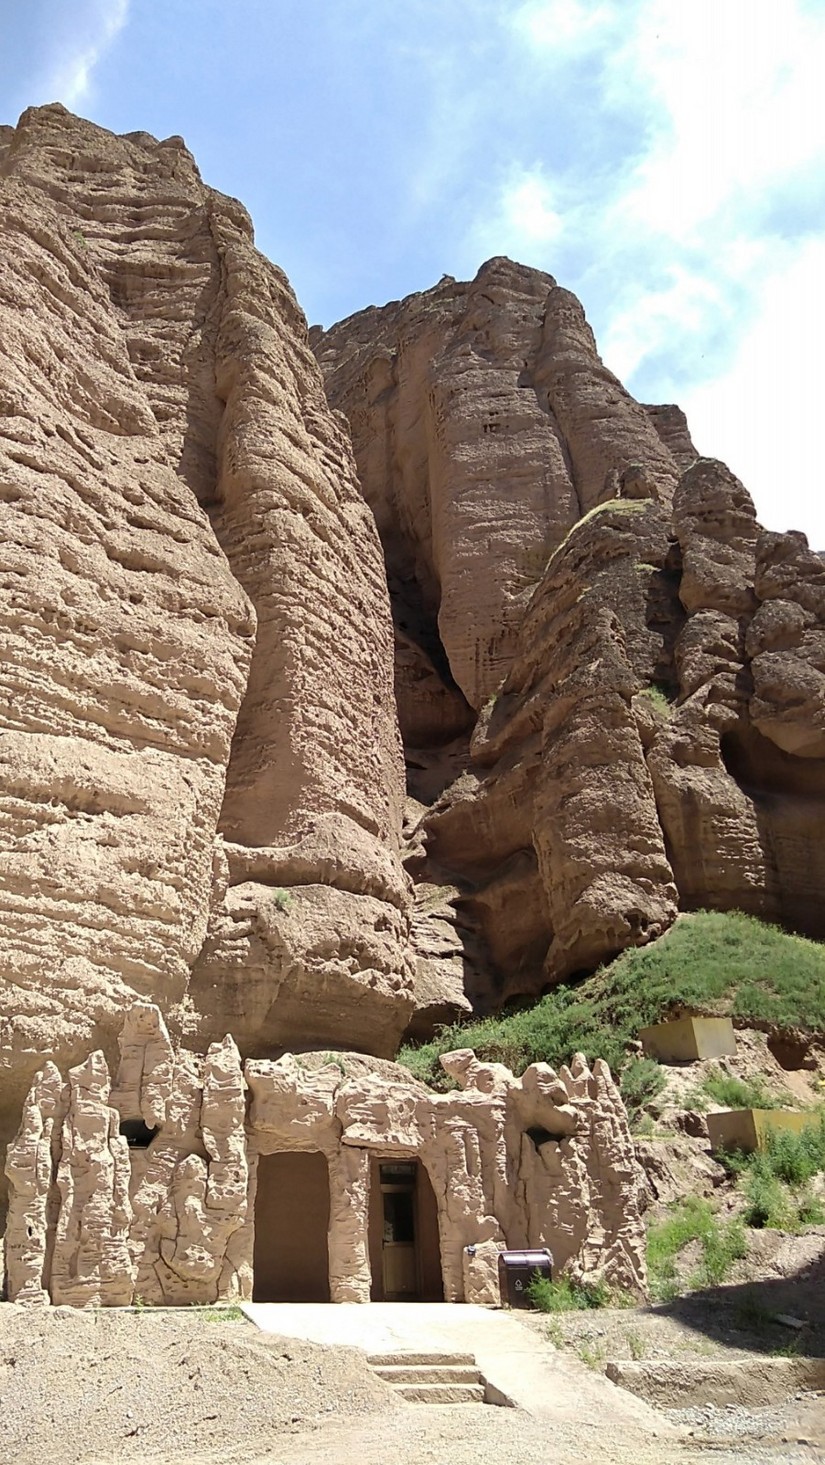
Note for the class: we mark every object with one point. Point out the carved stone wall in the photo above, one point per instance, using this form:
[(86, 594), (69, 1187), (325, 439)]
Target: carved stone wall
[(546, 1159)]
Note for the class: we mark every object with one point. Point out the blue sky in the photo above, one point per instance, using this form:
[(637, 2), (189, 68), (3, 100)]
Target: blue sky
[(665, 159)]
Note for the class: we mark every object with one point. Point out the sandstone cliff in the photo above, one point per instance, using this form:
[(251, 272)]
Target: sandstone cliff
[(200, 771), (644, 664), (609, 681)]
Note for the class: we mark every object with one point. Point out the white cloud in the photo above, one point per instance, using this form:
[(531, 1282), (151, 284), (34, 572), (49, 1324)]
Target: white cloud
[(69, 77), (563, 25), (762, 416), (649, 323), (693, 250), (522, 220), (738, 88)]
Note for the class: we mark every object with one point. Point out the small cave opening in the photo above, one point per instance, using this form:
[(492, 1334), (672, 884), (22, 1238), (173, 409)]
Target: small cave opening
[(137, 1134), (539, 1136), (761, 768)]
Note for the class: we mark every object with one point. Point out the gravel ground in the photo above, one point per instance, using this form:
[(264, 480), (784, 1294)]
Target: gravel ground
[(121, 1386), (800, 1421), (479, 1435), (723, 1324)]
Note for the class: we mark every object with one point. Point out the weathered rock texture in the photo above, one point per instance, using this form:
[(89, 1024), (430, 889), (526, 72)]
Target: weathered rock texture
[(542, 1160), (645, 663), (197, 705), (610, 683), (484, 425)]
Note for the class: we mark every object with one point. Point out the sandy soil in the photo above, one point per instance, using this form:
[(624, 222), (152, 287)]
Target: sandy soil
[(99, 1388), (121, 1386)]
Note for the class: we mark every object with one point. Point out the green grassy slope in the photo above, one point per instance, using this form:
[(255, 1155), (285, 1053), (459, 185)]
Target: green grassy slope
[(713, 962)]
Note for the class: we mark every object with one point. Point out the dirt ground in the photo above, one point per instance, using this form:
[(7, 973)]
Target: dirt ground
[(126, 1386), (95, 1388)]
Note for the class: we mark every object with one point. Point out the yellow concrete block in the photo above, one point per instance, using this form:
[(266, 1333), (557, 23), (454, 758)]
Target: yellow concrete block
[(748, 1129), (687, 1039)]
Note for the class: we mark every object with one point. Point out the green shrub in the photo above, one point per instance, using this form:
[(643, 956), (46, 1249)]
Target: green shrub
[(565, 1295), (641, 1080), (281, 899), (796, 1158), (810, 1211), (773, 1179), (660, 697), (710, 961), (737, 1093), (721, 1243), (767, 1202)]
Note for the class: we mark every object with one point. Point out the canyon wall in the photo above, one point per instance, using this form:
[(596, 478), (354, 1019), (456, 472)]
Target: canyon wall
[(200, 770), (220, 604), (640, 666)]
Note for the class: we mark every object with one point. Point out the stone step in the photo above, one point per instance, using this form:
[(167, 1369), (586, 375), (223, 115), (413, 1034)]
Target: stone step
[(387, 1360), (441, 1393), (428, 1373)]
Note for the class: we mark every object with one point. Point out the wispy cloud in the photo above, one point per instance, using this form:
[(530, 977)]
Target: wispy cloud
[(523, 219), (67, 74), (762, 414), (559, 26), (692, 241)]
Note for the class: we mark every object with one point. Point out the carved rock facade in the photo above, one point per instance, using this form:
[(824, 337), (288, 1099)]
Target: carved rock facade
[(542, 1160)]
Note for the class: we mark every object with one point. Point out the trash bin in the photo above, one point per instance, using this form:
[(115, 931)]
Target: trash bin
[(516, 1270)]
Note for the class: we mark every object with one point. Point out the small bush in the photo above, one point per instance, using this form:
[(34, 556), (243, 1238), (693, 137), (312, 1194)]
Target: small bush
[(810, 1211), (737, 1093), (796, 1158), (724, 1244), (660, 697), (767, 1203), (721, 1244), (774, 1180), (592, 1354), (640, 1082), (566, 1295), (281, 899)]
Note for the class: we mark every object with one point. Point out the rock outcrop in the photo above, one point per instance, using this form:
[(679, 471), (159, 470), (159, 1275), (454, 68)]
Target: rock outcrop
[(542, 1160), (609, 680), (644, 662), (200, 771)]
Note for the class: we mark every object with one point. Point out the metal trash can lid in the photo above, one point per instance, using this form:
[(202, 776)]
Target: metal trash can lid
[(535, 1258)]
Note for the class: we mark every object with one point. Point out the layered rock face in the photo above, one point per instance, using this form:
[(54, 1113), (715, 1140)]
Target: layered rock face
[(544, 1160), (197, 708), (610, 682), (643, 662)]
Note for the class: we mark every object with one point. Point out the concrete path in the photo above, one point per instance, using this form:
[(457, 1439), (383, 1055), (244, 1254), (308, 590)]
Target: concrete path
[(524, 1369)]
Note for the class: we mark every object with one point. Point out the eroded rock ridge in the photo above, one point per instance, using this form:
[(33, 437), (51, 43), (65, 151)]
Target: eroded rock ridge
[(200, 770), (609, 677), (220, 604)]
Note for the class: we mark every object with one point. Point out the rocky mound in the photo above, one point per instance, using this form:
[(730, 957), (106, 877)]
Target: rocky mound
[(125, 1385)]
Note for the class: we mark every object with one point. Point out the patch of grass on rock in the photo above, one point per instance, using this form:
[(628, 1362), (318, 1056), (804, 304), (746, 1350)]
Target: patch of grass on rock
[(713, 962)]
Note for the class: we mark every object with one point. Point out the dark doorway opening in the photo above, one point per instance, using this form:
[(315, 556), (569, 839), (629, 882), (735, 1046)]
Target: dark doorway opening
[(405, 1256), (291, 1255)]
